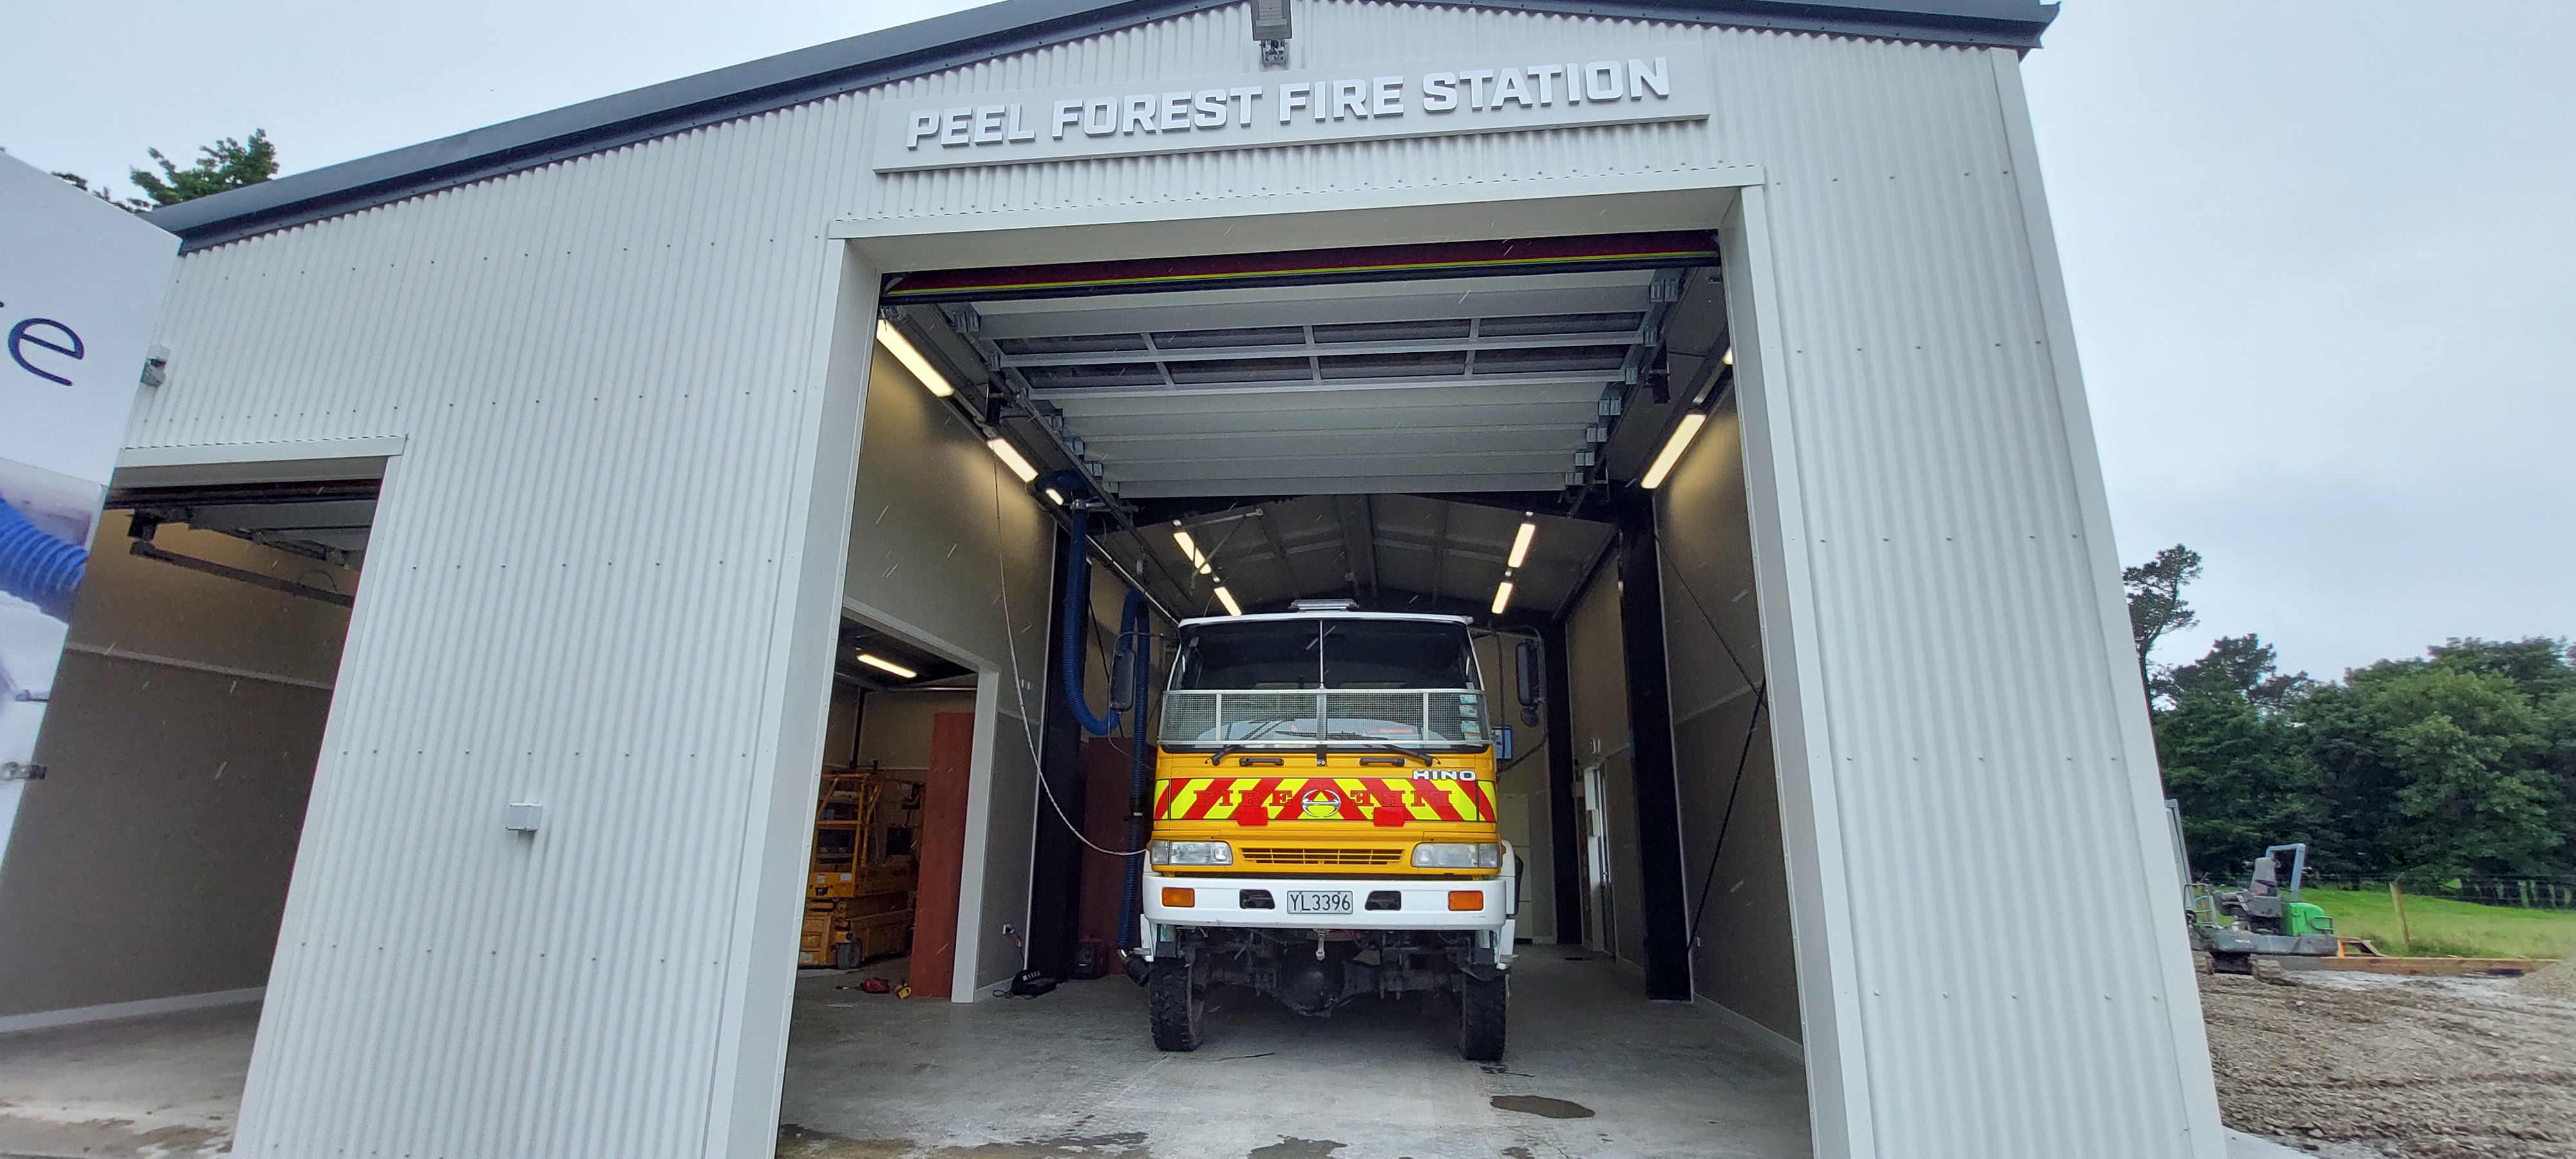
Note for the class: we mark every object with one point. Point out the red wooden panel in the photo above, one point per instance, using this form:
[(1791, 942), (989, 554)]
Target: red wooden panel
[(943, 853)]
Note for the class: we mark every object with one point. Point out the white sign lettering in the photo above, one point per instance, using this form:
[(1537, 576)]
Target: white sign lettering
[(1431, 99)]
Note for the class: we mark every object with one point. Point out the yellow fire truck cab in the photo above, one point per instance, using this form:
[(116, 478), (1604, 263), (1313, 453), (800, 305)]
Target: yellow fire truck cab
[(1323, 821)]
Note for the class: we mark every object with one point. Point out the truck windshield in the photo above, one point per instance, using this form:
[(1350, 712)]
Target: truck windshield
[(1309, 682), (1262, 655)]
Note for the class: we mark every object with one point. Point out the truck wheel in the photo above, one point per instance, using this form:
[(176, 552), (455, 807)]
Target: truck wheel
[(1480, 1018), (1176, 1008)]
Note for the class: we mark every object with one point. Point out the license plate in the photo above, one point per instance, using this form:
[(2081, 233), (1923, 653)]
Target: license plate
[(1319, 901)]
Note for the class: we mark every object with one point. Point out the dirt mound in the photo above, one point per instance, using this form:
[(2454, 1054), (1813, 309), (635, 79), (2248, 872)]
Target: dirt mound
[(2422, 1068), (2558, 982)]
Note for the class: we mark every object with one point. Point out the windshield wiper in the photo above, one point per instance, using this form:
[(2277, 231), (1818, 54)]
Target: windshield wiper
[(1422, 755)]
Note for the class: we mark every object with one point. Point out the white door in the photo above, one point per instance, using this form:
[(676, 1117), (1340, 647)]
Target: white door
[(1600, 918)]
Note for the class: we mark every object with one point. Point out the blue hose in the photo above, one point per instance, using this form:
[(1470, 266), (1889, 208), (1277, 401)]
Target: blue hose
[(1077, 617), (38, 568), (1136, 641)]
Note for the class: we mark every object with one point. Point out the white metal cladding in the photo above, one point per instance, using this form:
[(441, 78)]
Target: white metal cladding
[(1330, 34), (576, 568), (570, 598), (1942, 593)]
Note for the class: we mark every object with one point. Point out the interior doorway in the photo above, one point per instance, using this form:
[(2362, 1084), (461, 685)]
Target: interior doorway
[(890, 813), (146, 875)]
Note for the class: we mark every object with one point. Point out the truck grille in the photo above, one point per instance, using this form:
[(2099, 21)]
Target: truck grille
[(1274, 855)]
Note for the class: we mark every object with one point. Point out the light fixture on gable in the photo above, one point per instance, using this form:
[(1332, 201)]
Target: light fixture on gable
[(1271, 27)]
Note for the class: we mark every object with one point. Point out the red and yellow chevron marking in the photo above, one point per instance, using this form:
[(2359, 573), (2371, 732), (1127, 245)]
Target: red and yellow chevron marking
[(1386, 801)]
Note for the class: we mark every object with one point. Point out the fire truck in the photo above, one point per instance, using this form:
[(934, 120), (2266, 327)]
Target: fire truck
[(1322, 822)]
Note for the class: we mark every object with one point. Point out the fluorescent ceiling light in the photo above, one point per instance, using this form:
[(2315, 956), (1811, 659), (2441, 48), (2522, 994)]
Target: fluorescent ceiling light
[(1054, 496), (1190, 548), (1010, 457), (1673, 448), (1502, 596), (1227, 598), (1729, 359), (903, 351), (1521, 544), (888, 665)]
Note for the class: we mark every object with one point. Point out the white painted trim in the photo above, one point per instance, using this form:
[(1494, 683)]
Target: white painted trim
[(2149, 854), (145, 1008), (214, 464), (1360, 217), (376, 447), (1840, 1116), (979, 838), (194, 666), (795, 704), (915, 635), (1778, 1043)]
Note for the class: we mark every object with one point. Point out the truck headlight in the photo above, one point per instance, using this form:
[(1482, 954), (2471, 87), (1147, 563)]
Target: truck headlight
[(1457, 855), (1192, 853)]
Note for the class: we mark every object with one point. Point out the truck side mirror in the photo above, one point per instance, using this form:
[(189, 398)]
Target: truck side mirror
[(1122, 680), (1532, 685)]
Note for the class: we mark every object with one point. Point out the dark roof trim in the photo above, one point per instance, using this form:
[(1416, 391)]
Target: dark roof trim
[(928, 46)]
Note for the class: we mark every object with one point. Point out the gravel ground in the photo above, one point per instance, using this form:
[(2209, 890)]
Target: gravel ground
[(2408, 1068)]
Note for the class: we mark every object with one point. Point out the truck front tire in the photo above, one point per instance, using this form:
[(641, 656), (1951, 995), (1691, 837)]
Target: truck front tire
[(1176, 1007), (1481, 1003)]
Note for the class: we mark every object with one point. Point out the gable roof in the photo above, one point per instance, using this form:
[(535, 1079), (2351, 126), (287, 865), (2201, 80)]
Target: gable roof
[(928, 46)]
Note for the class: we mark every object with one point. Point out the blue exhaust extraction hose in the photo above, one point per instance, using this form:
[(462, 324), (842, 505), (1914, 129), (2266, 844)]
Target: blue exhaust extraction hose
[(1077, 616), (38, 568)]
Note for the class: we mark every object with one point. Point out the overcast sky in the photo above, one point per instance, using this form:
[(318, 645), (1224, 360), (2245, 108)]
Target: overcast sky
[(2320, 253)]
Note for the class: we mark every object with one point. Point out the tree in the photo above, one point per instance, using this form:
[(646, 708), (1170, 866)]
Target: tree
[(2237, 762), (2441, 767), (2156, 606), (226, 164), (2243, 667)]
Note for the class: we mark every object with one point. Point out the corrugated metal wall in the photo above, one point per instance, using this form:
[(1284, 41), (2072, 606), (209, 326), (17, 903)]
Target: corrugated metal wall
[(1969, 726), (572, 587), (606, 366)]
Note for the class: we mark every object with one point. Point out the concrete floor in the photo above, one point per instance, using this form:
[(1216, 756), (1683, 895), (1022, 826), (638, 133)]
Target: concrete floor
[(1593, 1070), (156, 1087)]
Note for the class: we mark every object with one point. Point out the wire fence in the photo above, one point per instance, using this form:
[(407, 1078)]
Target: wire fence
[(2550, 893)]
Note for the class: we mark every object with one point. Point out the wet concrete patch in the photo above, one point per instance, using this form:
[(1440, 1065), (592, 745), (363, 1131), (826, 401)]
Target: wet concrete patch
[(22, 1132), (1291, 1147), (1542, 1106), (1120, 1145), (795, 1142)]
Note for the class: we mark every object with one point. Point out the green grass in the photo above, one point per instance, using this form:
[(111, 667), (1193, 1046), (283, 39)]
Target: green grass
[(2443, 927)]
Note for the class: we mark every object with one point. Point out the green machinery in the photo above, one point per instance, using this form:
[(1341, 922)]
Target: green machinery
[(2265, 918)]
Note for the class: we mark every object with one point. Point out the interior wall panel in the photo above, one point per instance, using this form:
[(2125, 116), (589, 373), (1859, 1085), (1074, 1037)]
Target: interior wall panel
[(1742, 956), (182, 734), (1596, 667)]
